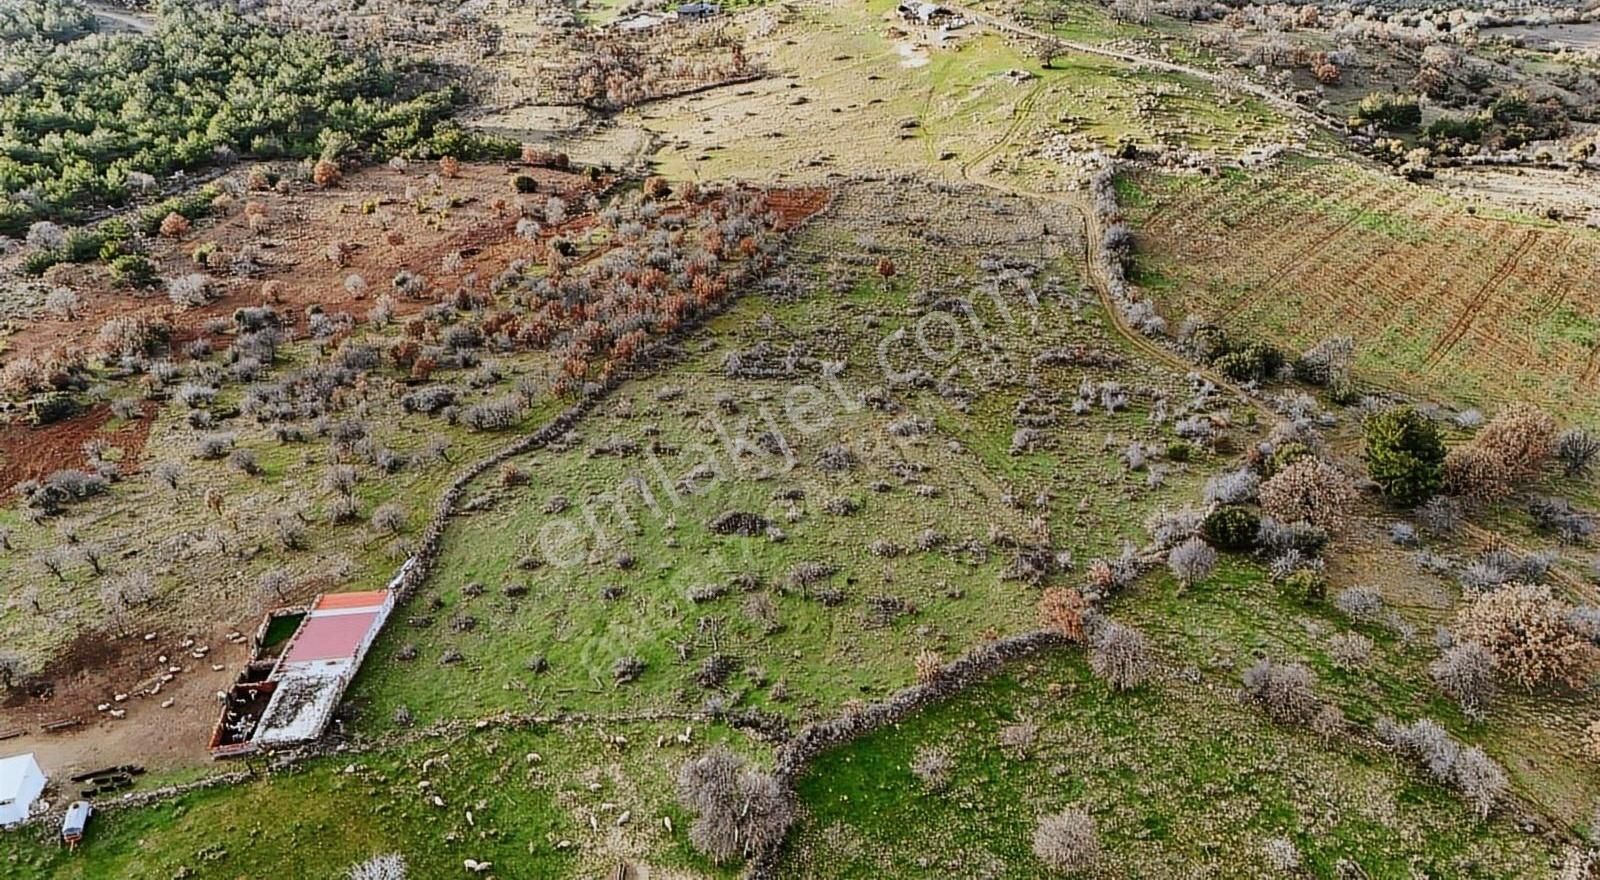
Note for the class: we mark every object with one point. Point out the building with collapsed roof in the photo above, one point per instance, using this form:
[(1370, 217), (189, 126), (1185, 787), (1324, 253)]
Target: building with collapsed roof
[(302, 660)]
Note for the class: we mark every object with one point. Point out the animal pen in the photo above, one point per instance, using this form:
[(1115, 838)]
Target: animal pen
[(302, 659)]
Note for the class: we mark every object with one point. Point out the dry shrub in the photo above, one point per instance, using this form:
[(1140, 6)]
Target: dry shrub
[(928, 665), (933, 765), (1309, 490), (740, 811), (1349, 650), (1508, 452), (450, 166), (1061, 610), (1465, 673), (1476, 776), (1017, 740), (174, 225), (1067, 841), (1283, 690), (1120, 655), (385, 867), (325, 173), (1529, 636)]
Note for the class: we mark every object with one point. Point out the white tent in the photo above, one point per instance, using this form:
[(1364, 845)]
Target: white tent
[(21, 782)]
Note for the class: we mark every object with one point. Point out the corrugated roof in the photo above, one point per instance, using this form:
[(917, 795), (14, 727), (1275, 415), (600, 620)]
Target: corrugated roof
[(334, 637)]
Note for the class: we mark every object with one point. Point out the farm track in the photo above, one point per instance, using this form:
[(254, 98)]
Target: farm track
[(1264, 94), (1474, 304)]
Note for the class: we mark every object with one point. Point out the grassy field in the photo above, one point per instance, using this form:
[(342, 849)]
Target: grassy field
[(882, 97), (1244, 782), (540, 802), (675, 605), (1476, 308)]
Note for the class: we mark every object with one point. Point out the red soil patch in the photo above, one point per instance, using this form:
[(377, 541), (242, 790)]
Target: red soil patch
[(29, 452), (795, 206), (292, 246)]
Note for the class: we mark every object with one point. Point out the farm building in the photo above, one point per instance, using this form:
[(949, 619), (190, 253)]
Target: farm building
[(918, 12), (644, 21), (302, 661), (697, 10), (21, 783)]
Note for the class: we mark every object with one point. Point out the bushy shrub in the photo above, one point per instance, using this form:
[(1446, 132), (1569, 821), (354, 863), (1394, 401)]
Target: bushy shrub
[(1231, 528), (1310, 490), (1529, 635), (1505, 454), (1404, 454)]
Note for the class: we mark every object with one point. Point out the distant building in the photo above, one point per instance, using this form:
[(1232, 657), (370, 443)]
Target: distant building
[(698, 10), (928, 14), (644, 21), (21, 783)]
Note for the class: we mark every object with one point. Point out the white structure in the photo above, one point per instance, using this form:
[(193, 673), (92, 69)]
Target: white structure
[(21, 783)]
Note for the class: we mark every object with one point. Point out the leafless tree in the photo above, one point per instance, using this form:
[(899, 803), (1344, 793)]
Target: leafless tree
[(740, 812)]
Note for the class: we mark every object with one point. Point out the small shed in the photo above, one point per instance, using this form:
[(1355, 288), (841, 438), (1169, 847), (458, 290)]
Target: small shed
[(21, 783), (698, 9)]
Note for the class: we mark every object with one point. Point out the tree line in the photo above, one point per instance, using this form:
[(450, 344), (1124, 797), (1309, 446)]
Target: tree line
[(93, 121)]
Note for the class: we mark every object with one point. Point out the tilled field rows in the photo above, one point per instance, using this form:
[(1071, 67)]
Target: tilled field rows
[(1438, 297)]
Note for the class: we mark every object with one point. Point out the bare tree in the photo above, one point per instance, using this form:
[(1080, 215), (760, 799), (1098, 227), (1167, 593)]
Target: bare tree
[(1192, 561), (1120, 655), (740, 812)]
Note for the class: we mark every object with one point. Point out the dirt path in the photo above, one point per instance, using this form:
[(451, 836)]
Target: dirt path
[(1227, 82), (123, 19)]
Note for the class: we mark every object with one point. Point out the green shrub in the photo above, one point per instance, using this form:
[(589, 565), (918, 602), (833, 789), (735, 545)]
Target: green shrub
[(1287, 453), (1254, 362), (83, 245), (53, 407), (525, 184), (1180, 451), (38, 262), (1304, 586), (1231, 528), (1405, 455), (1390, 110), (134, 270)]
